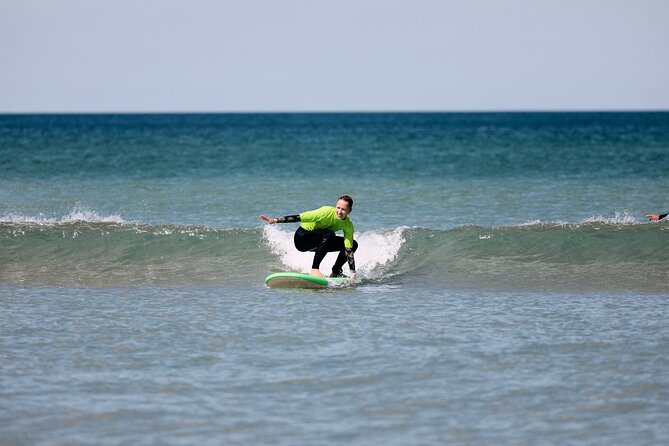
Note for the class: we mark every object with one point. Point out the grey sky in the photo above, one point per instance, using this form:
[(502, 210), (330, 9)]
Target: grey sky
[(343, 55)]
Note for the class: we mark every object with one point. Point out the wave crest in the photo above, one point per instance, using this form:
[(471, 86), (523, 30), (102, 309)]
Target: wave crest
[(76, 215), (85, 247)]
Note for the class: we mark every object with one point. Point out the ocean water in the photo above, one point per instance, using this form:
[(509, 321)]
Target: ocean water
[(510, 289)]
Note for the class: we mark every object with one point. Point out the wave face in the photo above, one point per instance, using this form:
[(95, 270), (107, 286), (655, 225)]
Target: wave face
[(589, 255), (103, 252), (86, 249)]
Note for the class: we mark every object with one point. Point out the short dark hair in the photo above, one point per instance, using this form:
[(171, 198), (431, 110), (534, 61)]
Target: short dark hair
[(347, 199)]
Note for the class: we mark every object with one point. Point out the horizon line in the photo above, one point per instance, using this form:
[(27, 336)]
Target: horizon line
[(331, 112)]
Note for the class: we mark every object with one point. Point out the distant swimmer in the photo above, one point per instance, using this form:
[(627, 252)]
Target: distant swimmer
[(656, 217), (317, 233)]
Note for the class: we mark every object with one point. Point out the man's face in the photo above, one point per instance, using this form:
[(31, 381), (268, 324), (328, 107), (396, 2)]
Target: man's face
[(342, 209)]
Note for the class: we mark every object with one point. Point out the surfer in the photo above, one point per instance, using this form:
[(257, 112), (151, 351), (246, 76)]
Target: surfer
[(655, 217), (317, 233)]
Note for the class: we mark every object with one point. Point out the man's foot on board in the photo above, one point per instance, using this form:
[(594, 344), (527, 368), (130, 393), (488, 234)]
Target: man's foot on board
[(317, 273), (338, 273)]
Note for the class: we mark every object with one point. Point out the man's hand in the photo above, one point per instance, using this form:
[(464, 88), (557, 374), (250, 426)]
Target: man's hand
[(269, 220), (653, 217)]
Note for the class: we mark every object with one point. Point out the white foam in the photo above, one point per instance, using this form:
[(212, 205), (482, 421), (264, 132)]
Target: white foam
[(76, 215), (624, 218), (375, 249), (620, 218), (530, 223)]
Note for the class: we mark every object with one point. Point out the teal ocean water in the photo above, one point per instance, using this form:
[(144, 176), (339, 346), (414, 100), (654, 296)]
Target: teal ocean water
[(510, 288)]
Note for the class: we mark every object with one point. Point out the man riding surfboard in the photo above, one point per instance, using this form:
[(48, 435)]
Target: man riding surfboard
[(317, 233)]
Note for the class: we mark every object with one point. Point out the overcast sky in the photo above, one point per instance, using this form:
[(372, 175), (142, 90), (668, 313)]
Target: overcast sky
[(333, 55)]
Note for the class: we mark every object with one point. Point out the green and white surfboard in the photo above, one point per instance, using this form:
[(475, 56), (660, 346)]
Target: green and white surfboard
[(298, 280)]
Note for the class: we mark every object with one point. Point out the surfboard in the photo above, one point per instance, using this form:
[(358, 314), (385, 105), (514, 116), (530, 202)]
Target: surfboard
[(298, 280)]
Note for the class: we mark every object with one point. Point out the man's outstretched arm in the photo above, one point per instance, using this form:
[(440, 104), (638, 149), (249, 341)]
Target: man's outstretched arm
[(285, 219)]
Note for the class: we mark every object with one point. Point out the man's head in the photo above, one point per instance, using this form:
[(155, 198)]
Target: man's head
[(344, 206)]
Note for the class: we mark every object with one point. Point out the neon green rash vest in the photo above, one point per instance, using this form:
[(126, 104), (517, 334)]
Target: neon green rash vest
[(326, 218)]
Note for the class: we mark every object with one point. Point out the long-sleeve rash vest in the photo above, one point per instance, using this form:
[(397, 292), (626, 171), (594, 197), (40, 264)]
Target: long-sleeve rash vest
[(326, 218)]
